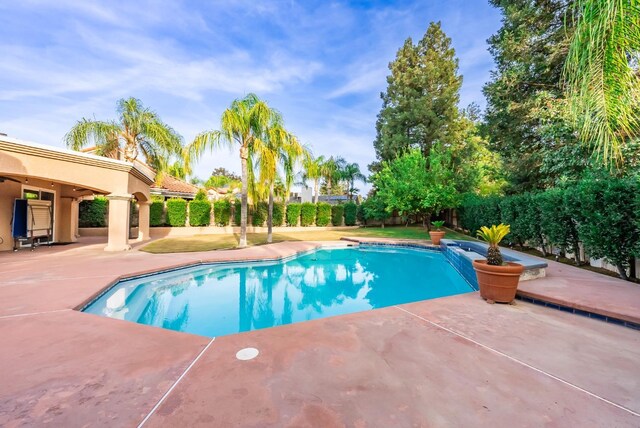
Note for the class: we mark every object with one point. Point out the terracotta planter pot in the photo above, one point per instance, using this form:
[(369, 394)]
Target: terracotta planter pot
[(436, 236), (498, 283)]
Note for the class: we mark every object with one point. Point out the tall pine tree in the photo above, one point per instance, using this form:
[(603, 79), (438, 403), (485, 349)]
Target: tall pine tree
[(420, 104)]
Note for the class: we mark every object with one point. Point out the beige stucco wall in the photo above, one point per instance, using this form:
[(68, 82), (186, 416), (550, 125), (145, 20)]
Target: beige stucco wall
[(71, 175)]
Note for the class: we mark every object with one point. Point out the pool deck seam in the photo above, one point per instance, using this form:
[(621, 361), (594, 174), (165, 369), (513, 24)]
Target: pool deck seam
[(26, 314), (173, 386), (559, 379)]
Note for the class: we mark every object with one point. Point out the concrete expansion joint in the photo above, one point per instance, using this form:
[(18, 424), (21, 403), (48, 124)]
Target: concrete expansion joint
[(27, 314), (166, 394), (502, 354)]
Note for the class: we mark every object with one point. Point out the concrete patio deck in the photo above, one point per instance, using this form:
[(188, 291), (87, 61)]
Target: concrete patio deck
[(454, 361)]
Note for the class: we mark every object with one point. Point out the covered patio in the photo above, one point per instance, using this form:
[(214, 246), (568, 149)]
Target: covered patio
[(65, 177)]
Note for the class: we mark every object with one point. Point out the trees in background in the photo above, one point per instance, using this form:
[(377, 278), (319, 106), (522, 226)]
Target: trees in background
[(412, 184), (420, 102), (524, 118), (313, 169), (350, 173), (138, 130), (243, 125)]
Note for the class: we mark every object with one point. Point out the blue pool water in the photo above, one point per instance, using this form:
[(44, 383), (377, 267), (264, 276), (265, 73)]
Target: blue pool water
[(215, 300)]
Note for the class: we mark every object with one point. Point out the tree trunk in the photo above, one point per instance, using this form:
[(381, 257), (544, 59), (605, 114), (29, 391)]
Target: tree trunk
[(270, 216), (244, 154), (576, 253), (315, 190), (622, 271)]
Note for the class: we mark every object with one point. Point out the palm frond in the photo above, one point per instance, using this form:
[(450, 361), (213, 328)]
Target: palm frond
[(85, 132), (602, 87)]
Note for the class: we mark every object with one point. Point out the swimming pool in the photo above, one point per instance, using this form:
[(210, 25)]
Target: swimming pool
[(216, 300)]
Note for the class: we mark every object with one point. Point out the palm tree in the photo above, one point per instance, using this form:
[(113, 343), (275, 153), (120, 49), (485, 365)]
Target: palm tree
[(351, 173), (137, 130), (313, 170), (281, 149), (601, 74), (332, 171), (244, 125)]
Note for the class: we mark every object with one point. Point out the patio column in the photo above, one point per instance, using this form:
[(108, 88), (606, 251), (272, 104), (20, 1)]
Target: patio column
[(68, 220), (118, 223), (143, 220)]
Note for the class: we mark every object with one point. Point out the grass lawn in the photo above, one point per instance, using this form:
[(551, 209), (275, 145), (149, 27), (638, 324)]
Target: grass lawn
[(225, 242)]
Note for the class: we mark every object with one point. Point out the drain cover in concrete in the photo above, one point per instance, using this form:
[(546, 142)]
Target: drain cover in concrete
[(247, 354)]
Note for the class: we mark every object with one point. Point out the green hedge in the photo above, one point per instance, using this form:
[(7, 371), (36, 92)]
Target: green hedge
[(323, 217), (602, 213), (293, 214), (222, 212), (360, 214), (156, 212), (199, 212), (237, 210), (307, 214), (259, 214), (176, 212), (350, 213), (278, 214), (93, 213), (337, 213)]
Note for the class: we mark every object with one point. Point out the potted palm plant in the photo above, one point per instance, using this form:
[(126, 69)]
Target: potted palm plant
[(437, 234), (498, 280)]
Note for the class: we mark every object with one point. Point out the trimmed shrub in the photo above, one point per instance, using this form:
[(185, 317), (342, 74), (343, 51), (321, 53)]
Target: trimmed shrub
[(222, 212), (556, 222), (337, 213), (278, 214), (199, 212), (259, 214), (476, 211), (237, 210), (293, 214), (374, 208), (350, 212), (201, 195), (323, 217), (307, 214), (176, 212), (156, 211), (360, 214), (608, 220), (93, 213)]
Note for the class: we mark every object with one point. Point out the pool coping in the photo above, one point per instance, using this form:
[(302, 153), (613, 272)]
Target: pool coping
[(279, 259)]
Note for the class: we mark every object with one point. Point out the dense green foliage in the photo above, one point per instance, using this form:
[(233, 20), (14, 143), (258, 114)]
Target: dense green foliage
[(259, 214), (278, 213), (360, 215), (237, 212), (156, 211), (525, 100), (221, 177), (350, 212), (222, 212), (375, 208), (608, 225), (557, 223), (408, 186), (307, 214), (176, 212), (337, 215), (600, 212), (323, 217), (420, 102), (93, 213), (293, 214), (199, 212)]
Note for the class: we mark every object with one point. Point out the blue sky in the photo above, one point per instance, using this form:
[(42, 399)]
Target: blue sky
[(322, 64)]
